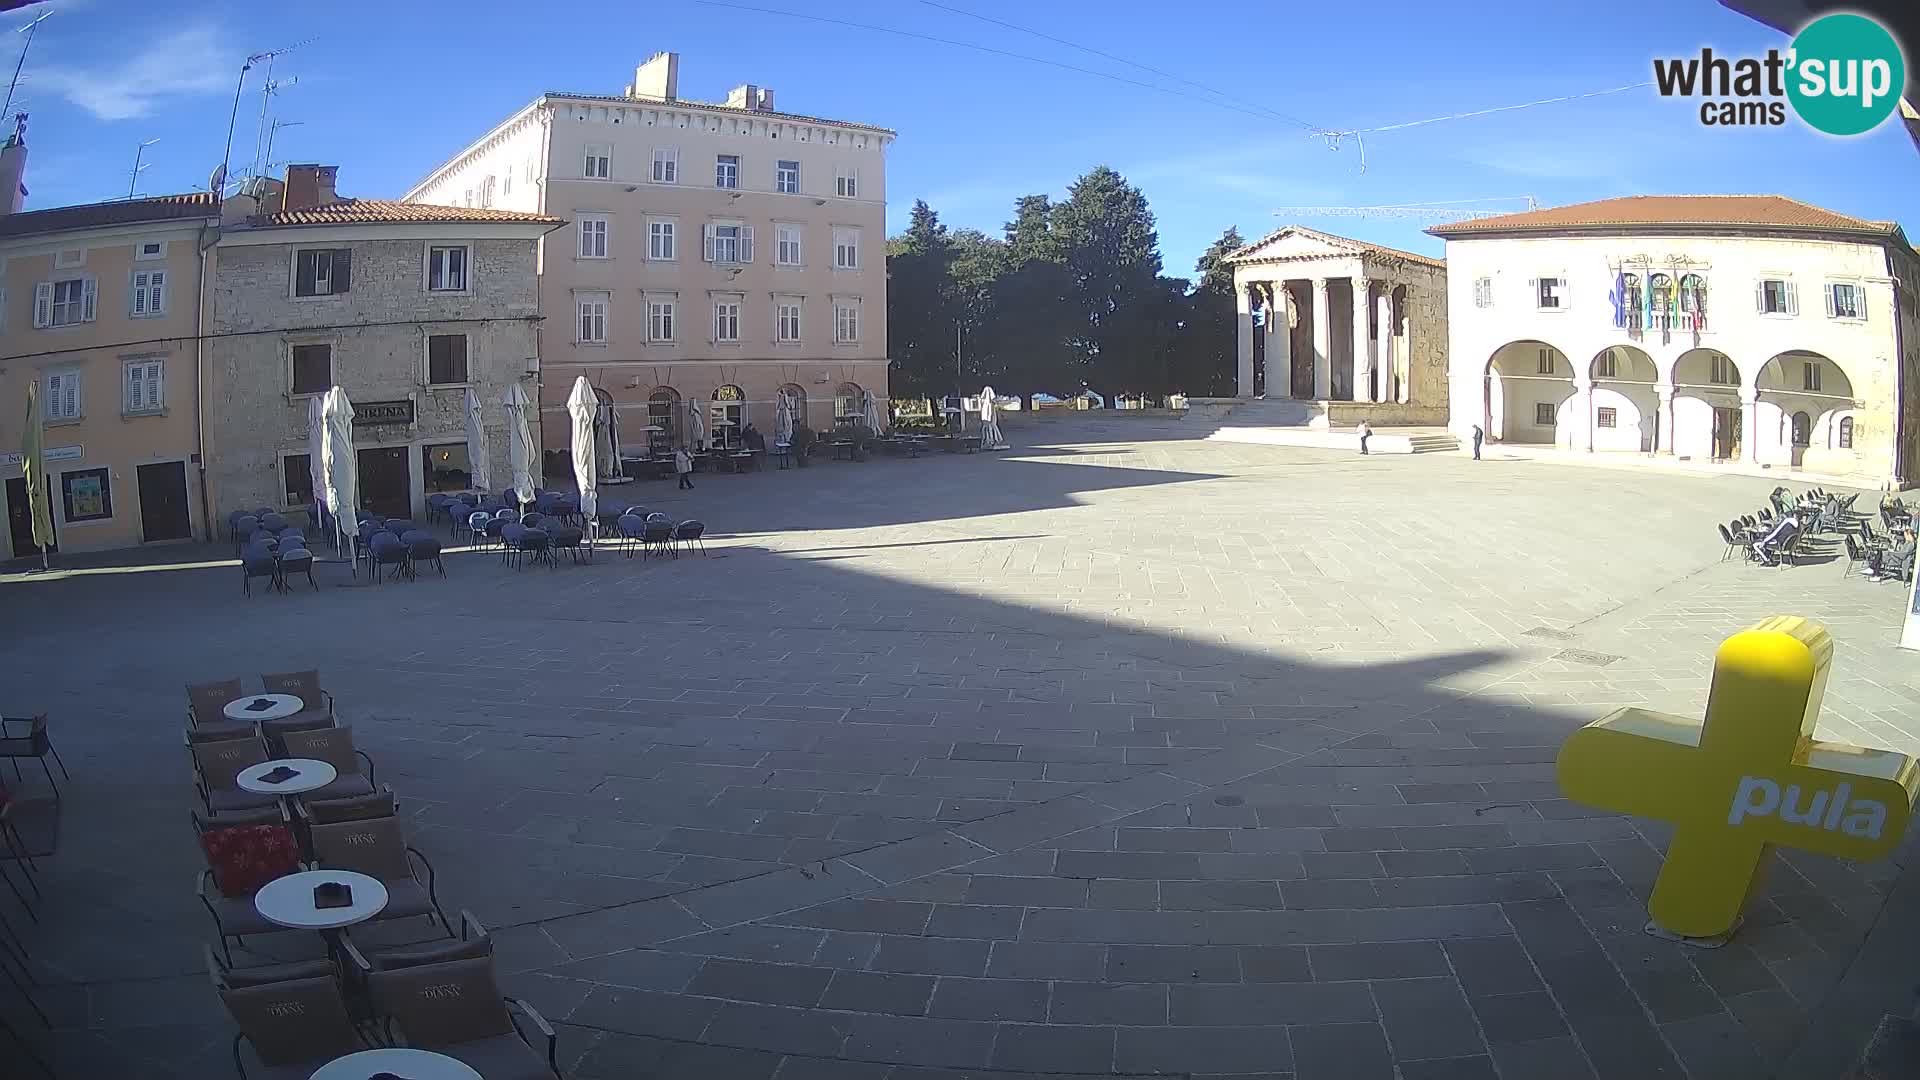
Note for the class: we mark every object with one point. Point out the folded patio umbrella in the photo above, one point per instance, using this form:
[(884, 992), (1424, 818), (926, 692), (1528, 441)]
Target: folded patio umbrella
[(316, 435), (582, 405), (342, 468), (521, 452), (696, 422), (477, 463)]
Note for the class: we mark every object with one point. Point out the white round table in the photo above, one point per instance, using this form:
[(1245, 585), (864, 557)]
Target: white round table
[(412, 1064), (288, 901), (308, 774), (283, 706)]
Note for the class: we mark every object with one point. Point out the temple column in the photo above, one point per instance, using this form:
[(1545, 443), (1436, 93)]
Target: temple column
[(1322, 342), (1383, 346), (1362, 344), (1243, 365), (1279, 340)]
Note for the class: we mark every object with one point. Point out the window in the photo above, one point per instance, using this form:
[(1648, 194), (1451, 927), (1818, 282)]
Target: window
[(1546, 362), (149, 293), (593, 318), (1543, 414), (659, 320), (63, 395), (593, 236), (466, 198), (1693, 301), (312, 368), (727, 416), (67, 302), (1810, 376), (446, 467), (144, 386), (446, 269), (446, 359), (1846, 433), (322, 271), (1722, 374), (86, 495), (1607, 417), (846, 182), (663, 413), (296, 477), (506, 182), (786, 177), (786, 320), (786, 245), (729, 243), (846, 249), (1846, 301), (1802, 429), (1777, 297), (1549, 293), (1606, 366), (666, 165), (599, 162), (486, 192), (726, 171), (660, 240), (68, 258), (846, 322), (151, 249), (1483, 292), (726, 320)]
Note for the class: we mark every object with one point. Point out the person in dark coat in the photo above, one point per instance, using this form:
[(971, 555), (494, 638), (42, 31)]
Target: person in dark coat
[(1479, 436)]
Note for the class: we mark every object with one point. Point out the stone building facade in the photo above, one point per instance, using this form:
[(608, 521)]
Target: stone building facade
[(1751, 331), (405, 307), (1348, 330), (719, 252)]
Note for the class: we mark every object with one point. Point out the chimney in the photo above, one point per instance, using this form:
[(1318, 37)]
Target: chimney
[(750, 97), (309, 186), (13, 168), (658, 78)]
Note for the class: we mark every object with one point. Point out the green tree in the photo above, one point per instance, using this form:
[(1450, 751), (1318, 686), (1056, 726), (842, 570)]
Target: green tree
[(1030, 235), (1207, 347), (920, 315), (1112, 255)]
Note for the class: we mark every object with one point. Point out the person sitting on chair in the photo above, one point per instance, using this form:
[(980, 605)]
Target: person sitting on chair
[(1765, 549), (1894, 561)]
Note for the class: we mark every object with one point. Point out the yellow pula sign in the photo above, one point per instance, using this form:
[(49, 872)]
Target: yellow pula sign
[(1748, 777)]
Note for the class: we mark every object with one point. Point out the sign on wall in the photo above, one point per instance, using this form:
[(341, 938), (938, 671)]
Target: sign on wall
[(383, 412), (51, 453)]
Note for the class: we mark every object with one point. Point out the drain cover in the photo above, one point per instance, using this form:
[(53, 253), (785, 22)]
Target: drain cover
[(1228, 800), (1581, 656), (1548, 632)]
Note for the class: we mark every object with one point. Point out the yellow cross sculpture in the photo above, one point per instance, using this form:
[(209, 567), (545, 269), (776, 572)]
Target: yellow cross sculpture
[(1750, 776)]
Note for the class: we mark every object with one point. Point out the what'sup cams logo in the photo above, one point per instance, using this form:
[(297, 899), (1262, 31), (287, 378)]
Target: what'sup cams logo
[(1843, 74)]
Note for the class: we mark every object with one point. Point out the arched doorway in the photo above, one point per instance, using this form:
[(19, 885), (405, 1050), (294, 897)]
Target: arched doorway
[(1528, 389), (847, 400), (727, 417), (1802, 399), (1708, 424), (663, 420), (1625, 408), (797, 394)]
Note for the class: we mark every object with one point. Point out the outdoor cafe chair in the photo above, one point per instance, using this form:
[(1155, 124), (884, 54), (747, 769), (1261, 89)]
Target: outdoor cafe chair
[(239, 860), (534, 519), (297, 559), (422, 548), (536, 544), (657, 536), (353, 769), (377, 848), (632, 528), (387, 550), (688, 534), (217, 764), (273, 523), (290, 1027), (26, 737), (454, 1006), (257, 561), (400, 527), (381, 803), (476, 525), (510, 533), (436, 504), (205, 701), (304, 685), (243, 528)]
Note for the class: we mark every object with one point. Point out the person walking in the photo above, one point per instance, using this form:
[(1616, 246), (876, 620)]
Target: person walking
[(1366, 432), (1478, 437), (683, 465)]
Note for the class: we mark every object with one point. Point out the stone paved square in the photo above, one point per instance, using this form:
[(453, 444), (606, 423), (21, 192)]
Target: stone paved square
[(1122, 753)]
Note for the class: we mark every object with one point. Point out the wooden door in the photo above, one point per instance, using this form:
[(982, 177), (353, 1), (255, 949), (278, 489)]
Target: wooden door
[(20, 520), (163, 502), (384, 489)]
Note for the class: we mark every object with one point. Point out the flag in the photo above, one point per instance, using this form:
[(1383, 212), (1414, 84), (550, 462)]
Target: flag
[(1619, 298)]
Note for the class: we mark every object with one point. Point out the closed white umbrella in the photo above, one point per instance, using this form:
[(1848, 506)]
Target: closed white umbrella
[(478, 463), (341, 464), (990, 437), (696, 422), (521, 452), (876, 419), (582, 405), (316, 468), (783, 418)]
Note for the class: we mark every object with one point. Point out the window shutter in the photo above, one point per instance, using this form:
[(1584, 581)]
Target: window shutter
[(1832, 305), (1793, 299), (153, 385), (1860, 304), (89, 292), (342, 269), (139, 295), (707, 234), (133, 396), (746, 243), (43, 303), (55, 384), (1760, 296), (1563, 292)]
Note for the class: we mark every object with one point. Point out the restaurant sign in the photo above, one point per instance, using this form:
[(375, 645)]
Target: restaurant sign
[(52, 453), (383, 412)]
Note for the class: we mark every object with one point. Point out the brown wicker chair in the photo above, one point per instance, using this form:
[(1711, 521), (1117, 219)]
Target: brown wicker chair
[(27, 737), (293, 1025), (333, 745), (381, 803), (448, 1000), (217, 764), (205, 701), (304, 685), (377, 848)]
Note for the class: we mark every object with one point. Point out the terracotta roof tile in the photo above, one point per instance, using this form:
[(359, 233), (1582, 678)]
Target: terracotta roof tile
[(1677, 211), (193, 204), (383, 211), (801, 118)]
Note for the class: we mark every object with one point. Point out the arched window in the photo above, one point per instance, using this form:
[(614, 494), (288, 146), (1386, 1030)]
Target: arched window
[(1693, 302), (797, 395), (1660, 286), (1846, 433), (1802, 429), (1630, 301), (663, 419), (727, 416), (846, 403)]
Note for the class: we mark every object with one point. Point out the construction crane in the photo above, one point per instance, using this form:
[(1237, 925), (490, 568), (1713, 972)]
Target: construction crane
[(1456, 210)]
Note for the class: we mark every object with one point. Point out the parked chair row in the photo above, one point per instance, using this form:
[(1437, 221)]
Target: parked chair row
[(656, 533)]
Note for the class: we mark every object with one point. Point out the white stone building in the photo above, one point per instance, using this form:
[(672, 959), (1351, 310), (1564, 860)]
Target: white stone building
[(723, 252), (403, 306), (1752, 330), (1345, 329)]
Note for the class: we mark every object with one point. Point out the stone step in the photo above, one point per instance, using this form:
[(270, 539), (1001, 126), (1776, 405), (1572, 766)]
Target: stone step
[(1434, 444)]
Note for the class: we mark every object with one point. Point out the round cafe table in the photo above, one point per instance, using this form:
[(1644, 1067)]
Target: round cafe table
[(308, 774), (412, 1064), (288, 901), (280, 707)]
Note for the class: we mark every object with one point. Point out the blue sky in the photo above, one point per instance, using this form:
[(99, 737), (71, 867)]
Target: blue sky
[(976, 130)]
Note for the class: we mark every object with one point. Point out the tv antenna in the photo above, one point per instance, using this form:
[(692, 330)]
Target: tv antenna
[(138, 168), (22, 62), (262, 133), (272, 130)]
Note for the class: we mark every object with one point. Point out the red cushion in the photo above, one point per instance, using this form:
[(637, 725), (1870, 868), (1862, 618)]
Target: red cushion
[(247, 857)]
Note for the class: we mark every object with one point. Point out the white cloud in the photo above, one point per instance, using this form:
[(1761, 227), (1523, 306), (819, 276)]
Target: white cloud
[(180, 64)]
